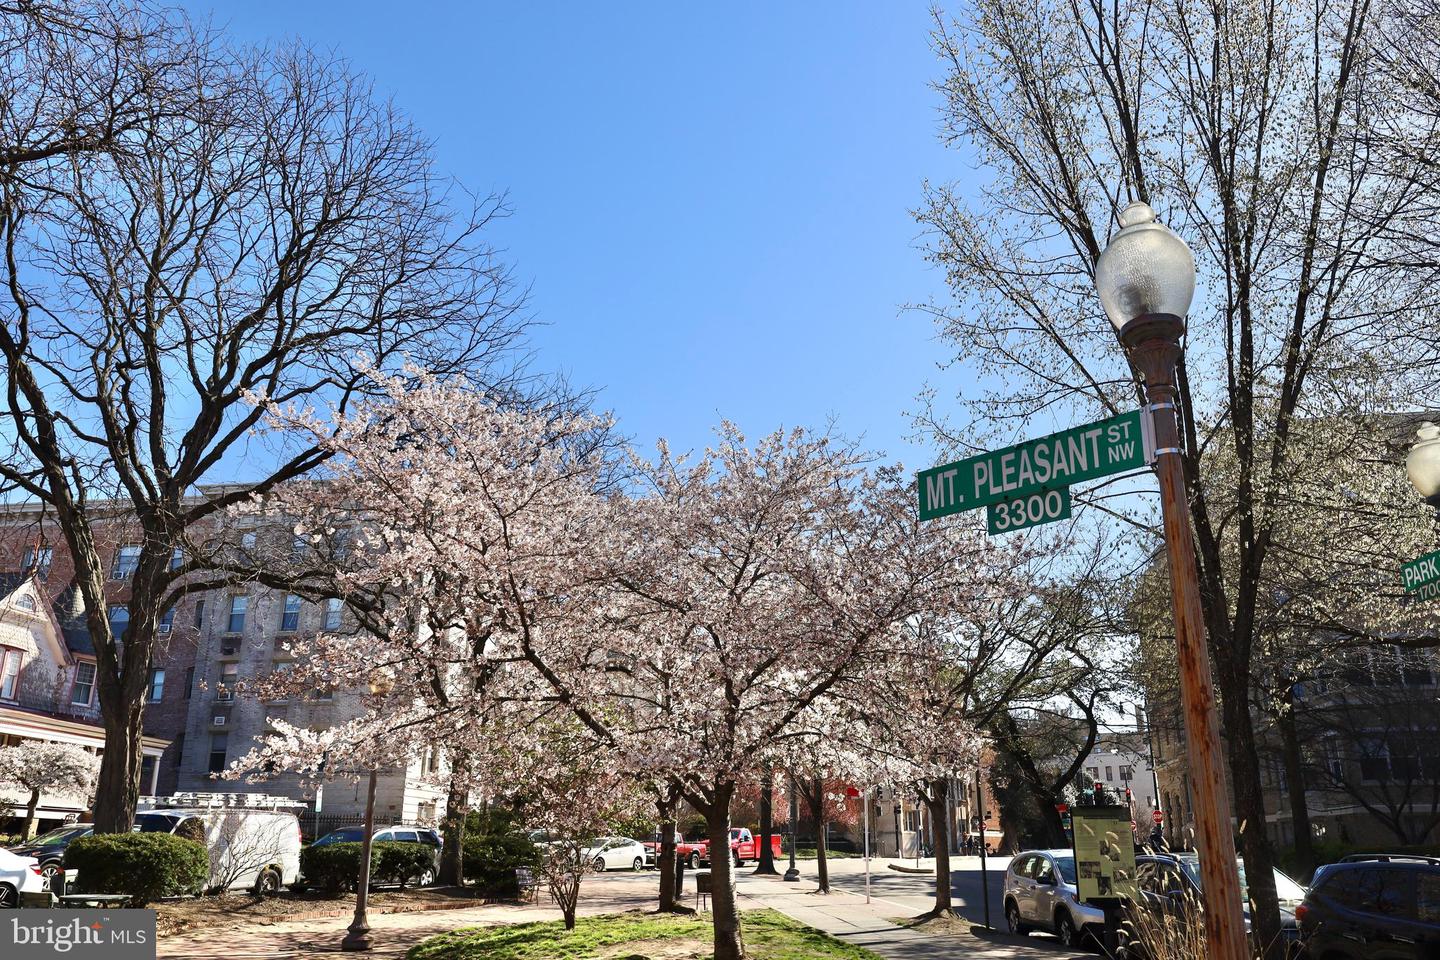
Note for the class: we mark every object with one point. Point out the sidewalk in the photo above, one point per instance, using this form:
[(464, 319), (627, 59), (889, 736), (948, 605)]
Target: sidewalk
[(848, 917)]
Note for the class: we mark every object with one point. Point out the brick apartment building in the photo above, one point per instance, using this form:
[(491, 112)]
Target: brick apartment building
[(195, 724)]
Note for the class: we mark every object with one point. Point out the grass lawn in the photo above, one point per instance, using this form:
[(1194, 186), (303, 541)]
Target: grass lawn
[(769, 935)]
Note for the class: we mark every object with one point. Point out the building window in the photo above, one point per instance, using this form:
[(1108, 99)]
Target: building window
[(38, 558), (219, 742), (229, 674), (177, 558), (1126, 773), (290, 617), (297, 546), (10, 660), (119, 620), (189, 682), (83, 690), (1093, 773), (1109, 773), (25, 601), (127, 558), (199, 613), (157, 685), (247, 541), (237, 613), (167, 621), (332, 613)]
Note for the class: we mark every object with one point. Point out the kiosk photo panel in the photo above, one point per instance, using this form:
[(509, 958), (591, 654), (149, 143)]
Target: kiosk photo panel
[(1104, 853)]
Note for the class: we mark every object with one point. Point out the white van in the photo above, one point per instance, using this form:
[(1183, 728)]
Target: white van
[(250, 849)]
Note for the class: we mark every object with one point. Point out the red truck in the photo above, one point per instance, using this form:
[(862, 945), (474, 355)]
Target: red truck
[(743, 847)]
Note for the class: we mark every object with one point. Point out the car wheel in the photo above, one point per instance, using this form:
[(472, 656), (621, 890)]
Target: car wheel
[(695, 860), (9, 899), (599, 864), (1065, 930), (426, 879), (738, 861), (267, 884), (50, 870), (638, 865), (1012, 919)]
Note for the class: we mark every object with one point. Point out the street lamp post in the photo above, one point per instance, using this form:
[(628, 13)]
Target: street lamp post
[(357, 935), (793, 874), (1422, 464), (1146, 279)]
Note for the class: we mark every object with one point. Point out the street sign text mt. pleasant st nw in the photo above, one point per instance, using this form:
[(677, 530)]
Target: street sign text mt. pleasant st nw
[(1070, 456)]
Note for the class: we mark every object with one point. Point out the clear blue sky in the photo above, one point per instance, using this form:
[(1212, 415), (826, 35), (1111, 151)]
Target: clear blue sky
[(711, 201)]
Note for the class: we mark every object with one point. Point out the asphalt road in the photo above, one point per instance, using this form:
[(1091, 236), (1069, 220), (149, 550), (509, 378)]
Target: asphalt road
[(916, 893)]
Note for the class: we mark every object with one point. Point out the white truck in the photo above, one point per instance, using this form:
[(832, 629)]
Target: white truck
[(252, 846)]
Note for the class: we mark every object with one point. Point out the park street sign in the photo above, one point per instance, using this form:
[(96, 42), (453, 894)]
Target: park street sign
[(1035, 467), (1422, 574)]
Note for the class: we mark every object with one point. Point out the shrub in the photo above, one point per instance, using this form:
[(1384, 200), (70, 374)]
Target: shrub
[(336, 866), (401, 863), (494, 847), (147, 866)]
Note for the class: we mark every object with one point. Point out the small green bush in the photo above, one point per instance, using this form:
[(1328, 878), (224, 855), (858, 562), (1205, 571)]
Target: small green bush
[(494, 848), (147, 866), (334, 867)]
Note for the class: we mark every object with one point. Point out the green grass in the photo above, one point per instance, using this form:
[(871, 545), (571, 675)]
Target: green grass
[(769, 935), (812, 853)]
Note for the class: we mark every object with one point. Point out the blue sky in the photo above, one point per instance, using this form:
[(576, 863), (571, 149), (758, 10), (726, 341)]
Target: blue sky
[(711, 203)]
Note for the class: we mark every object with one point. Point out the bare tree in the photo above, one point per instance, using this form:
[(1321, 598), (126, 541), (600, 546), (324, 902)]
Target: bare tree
[(248, 227), (1246, 125)]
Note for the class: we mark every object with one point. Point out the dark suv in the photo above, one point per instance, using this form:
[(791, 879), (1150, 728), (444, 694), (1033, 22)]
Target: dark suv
[(49, 848), (1373, 907)]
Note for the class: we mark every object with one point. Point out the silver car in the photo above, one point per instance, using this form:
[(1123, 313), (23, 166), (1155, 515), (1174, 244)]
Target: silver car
[(1040, 895)]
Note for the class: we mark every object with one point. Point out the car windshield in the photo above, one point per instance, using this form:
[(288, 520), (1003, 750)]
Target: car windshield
[(1285, 888), (343, 835), (60, 836), (1067, 868), (154, 823)]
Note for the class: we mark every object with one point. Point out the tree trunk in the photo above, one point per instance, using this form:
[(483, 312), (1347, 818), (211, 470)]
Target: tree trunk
[(665, 856), (1239, 731), (817, 810), (1295, 781), (118, 789), (767, 825), (729, 945), (452, 828), (30, 813), (935, 799)]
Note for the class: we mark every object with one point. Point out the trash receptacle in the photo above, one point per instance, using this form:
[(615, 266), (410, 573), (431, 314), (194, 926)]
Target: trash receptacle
[(702, 882)]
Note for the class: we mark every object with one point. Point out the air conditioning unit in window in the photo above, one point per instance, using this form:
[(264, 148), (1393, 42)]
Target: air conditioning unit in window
[(218, 721), (229, 648)]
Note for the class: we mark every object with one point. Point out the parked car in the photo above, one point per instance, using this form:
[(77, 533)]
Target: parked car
[(400, 833), (615, 853), (249, 848), (18, 877), (49, 847), (1380, 906), (1167, 882), (1040, 894)]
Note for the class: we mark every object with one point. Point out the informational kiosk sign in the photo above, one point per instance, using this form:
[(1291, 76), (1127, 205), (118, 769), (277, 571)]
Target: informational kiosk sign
[(1038, 466), (1104, 854)]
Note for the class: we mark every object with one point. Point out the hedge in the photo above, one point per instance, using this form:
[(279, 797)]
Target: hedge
[(494, 848), (336, 866), (147, 866)]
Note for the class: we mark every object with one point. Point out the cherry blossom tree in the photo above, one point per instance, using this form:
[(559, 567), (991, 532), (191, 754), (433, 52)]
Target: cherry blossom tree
[(39, 765), (451, 526)]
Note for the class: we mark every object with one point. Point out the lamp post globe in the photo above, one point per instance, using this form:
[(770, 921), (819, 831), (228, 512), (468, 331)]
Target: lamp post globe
[(1145, 270), (1422, 463)]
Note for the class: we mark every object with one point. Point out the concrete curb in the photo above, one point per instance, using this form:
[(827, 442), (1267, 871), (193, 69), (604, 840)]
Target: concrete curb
[(917, 870)]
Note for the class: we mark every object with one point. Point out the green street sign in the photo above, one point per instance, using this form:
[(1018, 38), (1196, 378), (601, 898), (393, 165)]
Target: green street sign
[(1421, 572), (1035, 466), (1030, 510)]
